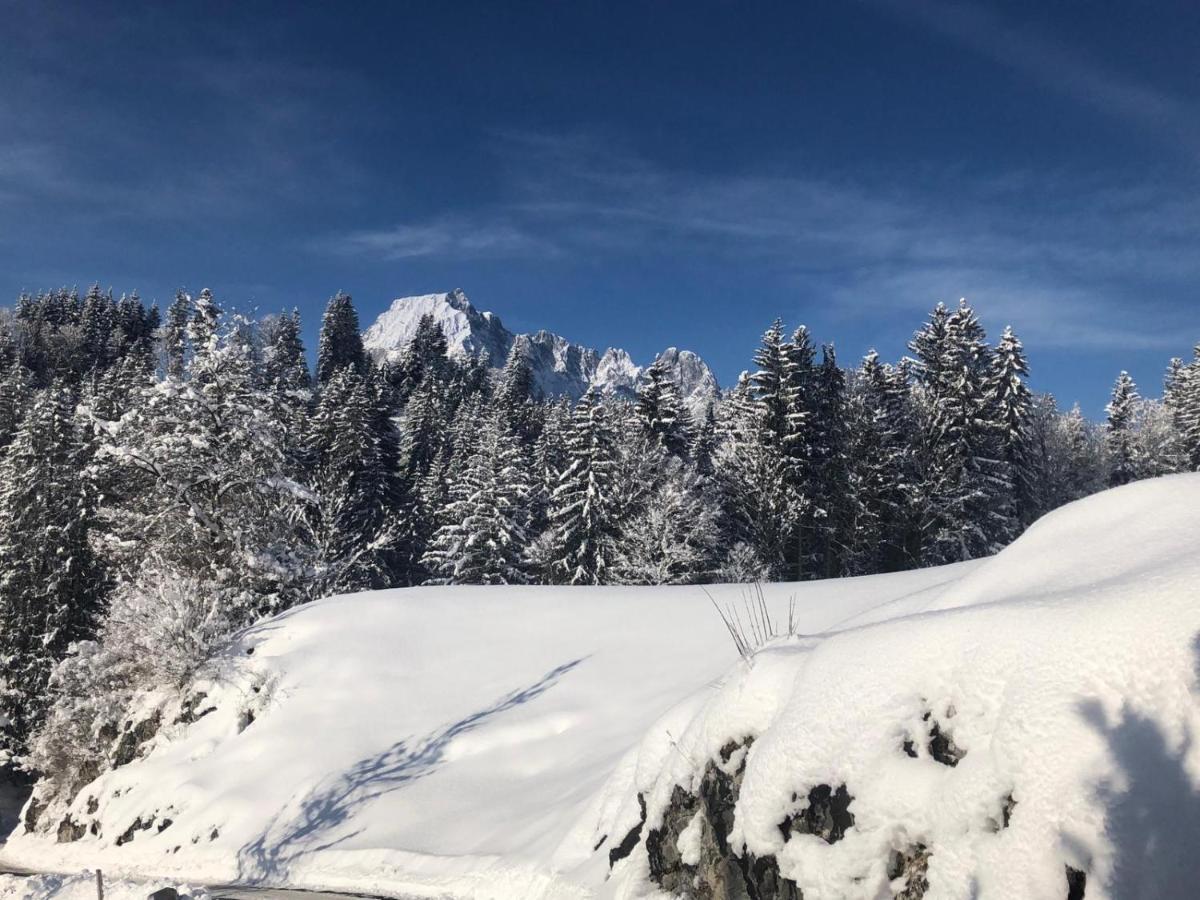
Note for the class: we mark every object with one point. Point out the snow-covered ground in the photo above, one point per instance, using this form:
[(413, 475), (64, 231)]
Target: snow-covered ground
[(481, 742), (83, 887)]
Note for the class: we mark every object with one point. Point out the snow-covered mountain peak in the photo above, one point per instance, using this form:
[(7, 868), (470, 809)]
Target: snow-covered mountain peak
[(468, 331), (560, 367)]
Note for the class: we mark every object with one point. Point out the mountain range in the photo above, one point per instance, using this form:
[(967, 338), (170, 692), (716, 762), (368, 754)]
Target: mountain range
[(560, 367)]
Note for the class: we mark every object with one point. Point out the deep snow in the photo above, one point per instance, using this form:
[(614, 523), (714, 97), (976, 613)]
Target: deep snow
[(479, 742)]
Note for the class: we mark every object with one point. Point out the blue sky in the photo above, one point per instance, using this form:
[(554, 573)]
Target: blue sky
[(629, 174)]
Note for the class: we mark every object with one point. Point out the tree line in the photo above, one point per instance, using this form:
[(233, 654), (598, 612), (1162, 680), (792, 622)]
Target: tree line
[(166, 479)]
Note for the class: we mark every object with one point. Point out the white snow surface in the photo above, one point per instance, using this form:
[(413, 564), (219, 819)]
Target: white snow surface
[(560, 367), (480, 742), (82, 886)]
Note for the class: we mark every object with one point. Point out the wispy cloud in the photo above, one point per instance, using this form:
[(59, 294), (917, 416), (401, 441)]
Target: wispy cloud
[(1057, 66), (457, 238), (1067, 259), (257, 135)]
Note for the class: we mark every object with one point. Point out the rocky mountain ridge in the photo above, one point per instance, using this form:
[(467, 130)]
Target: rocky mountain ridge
[(560, 367)]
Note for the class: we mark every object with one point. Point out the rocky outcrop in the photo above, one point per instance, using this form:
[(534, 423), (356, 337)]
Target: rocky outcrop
[(690, 854)]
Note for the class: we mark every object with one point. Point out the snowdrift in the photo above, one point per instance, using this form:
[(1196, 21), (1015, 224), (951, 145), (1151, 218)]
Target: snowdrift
[(976, 731)]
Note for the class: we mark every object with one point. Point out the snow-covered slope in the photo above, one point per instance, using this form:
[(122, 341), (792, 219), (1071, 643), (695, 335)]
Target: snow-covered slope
[(560, 368), (493, 742)]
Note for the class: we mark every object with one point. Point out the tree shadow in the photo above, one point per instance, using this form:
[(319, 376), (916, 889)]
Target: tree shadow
[(336, 800), (1152, 820)]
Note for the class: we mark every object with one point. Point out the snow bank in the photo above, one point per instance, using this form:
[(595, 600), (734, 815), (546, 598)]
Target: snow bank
[(1041, 714), (424, 741), (493, 742), (83, 887)]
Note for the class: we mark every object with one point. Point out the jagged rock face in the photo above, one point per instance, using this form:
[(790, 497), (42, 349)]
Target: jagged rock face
[(697, 385), (827, 815), (560, 368), (468, 331), (689, 853)]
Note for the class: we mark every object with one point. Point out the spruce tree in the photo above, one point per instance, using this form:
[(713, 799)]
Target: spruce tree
[(340, 343), (484, 534), (582, 513), (355, 516), (1012, 403), (965, 492), (1119, 438), (52, 587), (826, 483), (870, 520), (284, 363), (16, 390), (756, 483), (175, 332), (97, 323), (205, 321), (661, 414), (1183, 398)]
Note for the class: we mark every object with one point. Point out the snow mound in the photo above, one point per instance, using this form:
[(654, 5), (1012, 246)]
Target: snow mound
[(422, 742), (987, 730), (1033, 722)]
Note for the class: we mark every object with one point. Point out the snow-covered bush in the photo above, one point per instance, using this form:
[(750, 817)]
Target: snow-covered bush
[(161, 628), (165, 624), (743, 565)]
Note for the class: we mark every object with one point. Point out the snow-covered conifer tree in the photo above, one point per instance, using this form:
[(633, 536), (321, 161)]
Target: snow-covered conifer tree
[(207, 466), (175, 332), (1119, 438), (52, 586), (484, 535), (661, 413), (205, 322), (339, 345), (1012, 407), (284, 365), (583, 520)]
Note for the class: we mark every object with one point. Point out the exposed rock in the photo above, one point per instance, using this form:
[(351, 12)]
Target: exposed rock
[(827, 815), (937, 741), (167, 893), (711, 869), (942, 747), (630, 840), (1007, 805), (662, 844), (763, 881), (69, 831), (1076, 884), (911, 864), (33, 813), (188, 709), (131, 832), (135, 737)]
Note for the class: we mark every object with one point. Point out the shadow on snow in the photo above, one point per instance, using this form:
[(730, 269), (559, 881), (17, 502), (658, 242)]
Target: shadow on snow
[(1152, 816), (332, 803)]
